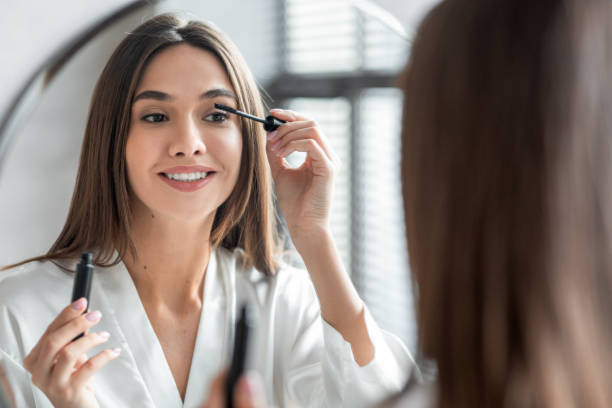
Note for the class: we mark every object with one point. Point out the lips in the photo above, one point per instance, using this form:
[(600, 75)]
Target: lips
[(188, 169), (187, 178)]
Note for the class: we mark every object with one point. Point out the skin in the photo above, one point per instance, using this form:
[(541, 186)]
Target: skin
[(60, 367), (248, 392), (171, 229)]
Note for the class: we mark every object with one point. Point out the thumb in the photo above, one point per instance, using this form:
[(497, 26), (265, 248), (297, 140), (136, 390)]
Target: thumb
[(276, 162)]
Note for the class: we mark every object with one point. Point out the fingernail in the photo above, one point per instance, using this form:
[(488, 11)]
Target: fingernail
[(276, 110), (116, 351), (93, 316), (272, 135), (79, 304), (275, 145), (103, 335)]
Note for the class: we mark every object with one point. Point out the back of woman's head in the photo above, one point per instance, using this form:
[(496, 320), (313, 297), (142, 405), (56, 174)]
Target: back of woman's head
[(100, 214), (508, 200)]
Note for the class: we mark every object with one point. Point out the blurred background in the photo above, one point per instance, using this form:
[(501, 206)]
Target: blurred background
[(336, 61)]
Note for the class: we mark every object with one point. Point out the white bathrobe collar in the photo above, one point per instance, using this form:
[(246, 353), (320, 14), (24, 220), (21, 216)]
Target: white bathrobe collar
[(140, 344)]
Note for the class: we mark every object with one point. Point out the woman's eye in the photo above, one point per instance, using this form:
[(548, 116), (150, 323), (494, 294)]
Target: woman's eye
[(155, 118), (216, 117)]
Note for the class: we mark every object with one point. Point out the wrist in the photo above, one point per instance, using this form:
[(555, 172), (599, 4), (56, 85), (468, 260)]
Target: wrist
[(313, 235)]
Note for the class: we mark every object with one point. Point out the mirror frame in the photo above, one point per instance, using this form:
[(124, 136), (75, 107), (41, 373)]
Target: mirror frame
[(24, 101)]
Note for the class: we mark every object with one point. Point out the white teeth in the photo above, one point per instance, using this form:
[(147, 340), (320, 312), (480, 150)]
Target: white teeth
[(198, 175)]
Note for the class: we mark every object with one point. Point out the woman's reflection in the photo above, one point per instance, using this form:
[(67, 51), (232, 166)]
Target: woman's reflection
[(174, 198)]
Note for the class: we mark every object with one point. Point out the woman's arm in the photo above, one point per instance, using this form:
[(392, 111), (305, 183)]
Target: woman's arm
[(341, 306), (304, 196)]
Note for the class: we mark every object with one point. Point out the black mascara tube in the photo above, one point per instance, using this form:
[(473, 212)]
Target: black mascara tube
[(270, 122), (82, 281), (244, 326)]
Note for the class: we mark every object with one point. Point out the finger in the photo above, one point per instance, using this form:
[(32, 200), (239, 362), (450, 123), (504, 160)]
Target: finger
[(321, 165), (216, 393), (303, 133), (80, 361), (289, 127), (248, 392), (90, 367), (276, 162), (287, 115), (53, 342), (69, 355), (72, 311)]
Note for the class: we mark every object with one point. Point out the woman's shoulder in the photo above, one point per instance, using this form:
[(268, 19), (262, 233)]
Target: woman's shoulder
[(290, 279), (30, 297), (288, 270), (32, 281)]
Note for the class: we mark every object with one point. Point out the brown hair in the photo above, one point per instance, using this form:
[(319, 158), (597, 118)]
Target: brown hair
[(99, 215), (508, 200)]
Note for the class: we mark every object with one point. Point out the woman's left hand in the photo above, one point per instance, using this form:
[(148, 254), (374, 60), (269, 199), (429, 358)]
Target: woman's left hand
[(304, 194)]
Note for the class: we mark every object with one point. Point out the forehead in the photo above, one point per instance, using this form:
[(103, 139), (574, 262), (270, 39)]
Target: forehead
[(184, 70)]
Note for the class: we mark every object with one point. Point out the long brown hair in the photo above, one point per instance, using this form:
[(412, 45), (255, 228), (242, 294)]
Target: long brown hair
[(507, 183), (99, 215)]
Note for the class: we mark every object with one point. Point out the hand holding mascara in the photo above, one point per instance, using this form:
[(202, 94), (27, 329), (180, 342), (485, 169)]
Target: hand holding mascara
[(244, 326)]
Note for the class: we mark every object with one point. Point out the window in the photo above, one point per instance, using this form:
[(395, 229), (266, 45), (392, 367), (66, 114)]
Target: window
[(339, 67)]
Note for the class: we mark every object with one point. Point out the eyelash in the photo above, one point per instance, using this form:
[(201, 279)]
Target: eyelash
[(163, 118), (223, 115), (152, 115)]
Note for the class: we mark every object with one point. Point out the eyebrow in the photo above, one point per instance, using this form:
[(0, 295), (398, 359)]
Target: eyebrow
[(162, 96)]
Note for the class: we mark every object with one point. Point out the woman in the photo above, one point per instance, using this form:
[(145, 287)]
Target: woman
[(174, 198), (507, 187)]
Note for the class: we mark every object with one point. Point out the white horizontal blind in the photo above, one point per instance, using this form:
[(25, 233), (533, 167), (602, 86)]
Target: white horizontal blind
[(379, 245), (333, 116), (335, 36), (331, 37)]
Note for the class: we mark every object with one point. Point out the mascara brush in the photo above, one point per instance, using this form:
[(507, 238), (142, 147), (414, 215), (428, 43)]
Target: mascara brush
[(270, 122)]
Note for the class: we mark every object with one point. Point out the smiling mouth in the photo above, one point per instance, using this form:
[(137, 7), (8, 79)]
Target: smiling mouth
[(188, 177)]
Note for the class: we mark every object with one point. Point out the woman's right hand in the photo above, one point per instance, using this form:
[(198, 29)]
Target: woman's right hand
[(60, 367), (248, 392)]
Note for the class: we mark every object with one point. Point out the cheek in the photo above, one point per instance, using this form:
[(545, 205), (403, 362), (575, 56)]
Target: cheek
[(230, 152), (137, 156), (132, 154), (236, 152)]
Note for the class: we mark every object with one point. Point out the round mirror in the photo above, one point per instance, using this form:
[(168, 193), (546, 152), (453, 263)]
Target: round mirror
[(335, 61)]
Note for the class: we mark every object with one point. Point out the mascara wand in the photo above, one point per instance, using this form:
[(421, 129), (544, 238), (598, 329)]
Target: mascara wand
[(270, 122)]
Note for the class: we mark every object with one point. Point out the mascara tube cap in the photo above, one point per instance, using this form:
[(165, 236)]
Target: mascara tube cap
[(83, 278), (86, 259)]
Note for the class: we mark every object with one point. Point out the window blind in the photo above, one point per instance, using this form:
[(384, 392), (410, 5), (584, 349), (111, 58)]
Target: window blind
[(379, 246), (333, 39), (335, 36), (333, 116)]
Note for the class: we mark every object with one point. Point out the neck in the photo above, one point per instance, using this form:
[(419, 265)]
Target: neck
[(171, 259)]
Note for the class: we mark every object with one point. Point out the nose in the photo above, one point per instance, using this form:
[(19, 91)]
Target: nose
[(187, 140)]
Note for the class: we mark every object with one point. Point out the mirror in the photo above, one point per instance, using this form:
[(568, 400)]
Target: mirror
[(336, 61)]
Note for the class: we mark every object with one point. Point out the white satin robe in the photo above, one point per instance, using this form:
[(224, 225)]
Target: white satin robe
[(303, 361)]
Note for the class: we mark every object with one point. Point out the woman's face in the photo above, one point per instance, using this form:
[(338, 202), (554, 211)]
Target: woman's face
[(183, 155)]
